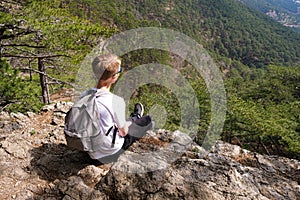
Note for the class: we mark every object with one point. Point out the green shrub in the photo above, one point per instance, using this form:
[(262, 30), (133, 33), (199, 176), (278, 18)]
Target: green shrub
[(17, 94)]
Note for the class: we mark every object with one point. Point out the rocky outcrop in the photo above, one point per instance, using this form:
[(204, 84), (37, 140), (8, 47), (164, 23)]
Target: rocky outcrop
[(35, 163)]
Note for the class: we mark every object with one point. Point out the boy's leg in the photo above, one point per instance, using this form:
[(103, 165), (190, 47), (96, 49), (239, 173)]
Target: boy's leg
[(128, 141), (139, 127)]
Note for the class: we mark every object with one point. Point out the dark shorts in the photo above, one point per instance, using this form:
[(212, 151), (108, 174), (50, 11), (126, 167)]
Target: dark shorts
[(136, 130)]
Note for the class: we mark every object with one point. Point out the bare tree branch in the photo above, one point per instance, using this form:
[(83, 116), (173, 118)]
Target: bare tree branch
[(35, 56), (56, 81), (22, 31), (23, 45)]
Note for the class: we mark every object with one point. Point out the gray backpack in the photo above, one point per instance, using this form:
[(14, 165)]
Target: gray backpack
[(82, 125)]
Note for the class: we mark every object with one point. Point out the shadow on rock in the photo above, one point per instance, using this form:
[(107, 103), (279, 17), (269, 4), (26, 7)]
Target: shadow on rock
[(56, 161)]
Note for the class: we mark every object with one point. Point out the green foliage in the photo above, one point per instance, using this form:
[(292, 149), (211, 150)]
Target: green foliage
[(263, 112), (110, 13), (59, 38), (275, 84), (164, 98), (17, 94), (272, 129), (66, 38), (63, 34)]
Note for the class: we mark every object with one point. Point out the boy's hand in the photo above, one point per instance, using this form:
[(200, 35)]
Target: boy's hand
[(123, 131)]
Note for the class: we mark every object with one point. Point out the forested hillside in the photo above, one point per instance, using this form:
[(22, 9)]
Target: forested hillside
[(45, 41), (227, 28), (283, 11)]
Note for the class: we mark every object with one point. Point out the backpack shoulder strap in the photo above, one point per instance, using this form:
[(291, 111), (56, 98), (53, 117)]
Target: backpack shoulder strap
[(106, 108), (108, 111), (115, 127)]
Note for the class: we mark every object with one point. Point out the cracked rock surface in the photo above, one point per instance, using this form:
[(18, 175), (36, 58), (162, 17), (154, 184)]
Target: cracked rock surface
[(35, 163)]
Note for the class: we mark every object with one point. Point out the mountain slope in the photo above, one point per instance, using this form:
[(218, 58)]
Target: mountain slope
[(232, 30), (227, 28), (283, 11), (288, 6)]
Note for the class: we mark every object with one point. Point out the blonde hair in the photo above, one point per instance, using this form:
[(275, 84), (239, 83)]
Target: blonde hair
[(105, 66)]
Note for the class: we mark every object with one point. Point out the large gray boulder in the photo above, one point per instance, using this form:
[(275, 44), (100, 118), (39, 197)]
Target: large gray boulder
[(35, 163)]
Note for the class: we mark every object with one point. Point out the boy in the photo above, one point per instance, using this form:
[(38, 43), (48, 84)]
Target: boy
[(121, 133)]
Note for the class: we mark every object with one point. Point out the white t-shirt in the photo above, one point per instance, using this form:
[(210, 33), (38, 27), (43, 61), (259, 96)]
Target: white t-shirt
[(112, 111)]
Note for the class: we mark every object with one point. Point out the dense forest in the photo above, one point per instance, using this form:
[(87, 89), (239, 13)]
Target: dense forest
[(43, 43)]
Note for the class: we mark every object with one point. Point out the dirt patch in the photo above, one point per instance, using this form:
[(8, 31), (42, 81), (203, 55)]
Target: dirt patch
[(64, 94)]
